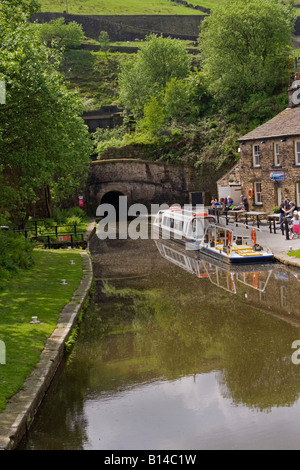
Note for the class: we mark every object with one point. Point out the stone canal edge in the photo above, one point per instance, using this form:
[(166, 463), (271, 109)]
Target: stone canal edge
[(23, 406)]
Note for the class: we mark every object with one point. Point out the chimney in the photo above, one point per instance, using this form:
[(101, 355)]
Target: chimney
[(294, 92)]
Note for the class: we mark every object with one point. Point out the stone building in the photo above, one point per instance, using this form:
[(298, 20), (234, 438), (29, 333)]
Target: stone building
[(269, 165)]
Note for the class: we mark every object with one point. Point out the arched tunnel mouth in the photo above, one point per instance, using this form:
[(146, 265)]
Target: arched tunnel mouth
[(113, 198)]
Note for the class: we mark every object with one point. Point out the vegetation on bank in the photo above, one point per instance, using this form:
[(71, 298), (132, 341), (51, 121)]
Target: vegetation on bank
[(62, 219), (15, 254), (34, 292), (17, 251)]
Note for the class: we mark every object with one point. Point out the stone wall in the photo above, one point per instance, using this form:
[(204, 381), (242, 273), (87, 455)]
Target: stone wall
[(270, 189), (131, 27), (141, 181), (128, 151)]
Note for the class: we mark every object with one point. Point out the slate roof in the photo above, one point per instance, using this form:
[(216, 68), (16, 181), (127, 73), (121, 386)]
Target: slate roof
[(286, 123)]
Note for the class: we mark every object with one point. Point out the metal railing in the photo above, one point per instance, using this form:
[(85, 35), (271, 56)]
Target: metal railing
[(53, 236)]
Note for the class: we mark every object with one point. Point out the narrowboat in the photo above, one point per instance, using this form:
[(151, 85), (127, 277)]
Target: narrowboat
[(198, 230)]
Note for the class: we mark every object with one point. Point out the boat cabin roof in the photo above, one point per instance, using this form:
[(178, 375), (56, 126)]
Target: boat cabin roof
[(189, 214)]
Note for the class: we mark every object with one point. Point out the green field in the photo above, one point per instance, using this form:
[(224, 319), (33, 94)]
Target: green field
[(130, 7), (120, 7)]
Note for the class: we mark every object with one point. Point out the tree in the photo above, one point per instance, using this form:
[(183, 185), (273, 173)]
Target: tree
[(104, 41), (177, 100), (44, 144), (58, 34), (158, 61), (154, 117), (242, 44), (18, 9)]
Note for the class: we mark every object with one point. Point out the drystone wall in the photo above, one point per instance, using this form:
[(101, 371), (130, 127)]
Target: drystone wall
[(132, 27)]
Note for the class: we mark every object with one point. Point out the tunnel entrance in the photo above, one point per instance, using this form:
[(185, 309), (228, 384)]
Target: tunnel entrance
[(112, 197)]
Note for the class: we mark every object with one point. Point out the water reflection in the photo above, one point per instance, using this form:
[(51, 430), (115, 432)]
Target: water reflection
[(168, 360), (220, 274), (271, 286)]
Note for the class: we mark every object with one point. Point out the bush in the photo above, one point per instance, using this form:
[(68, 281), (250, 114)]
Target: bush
[(58, 34), (61, 216), (73, 220), (106, 138), (15, 254)]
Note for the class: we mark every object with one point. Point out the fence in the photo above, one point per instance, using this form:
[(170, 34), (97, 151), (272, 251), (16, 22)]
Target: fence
[(54, 238)]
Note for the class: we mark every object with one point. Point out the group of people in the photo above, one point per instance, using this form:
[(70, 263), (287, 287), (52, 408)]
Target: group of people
[(228, 204), (288, 212), (224, 204)]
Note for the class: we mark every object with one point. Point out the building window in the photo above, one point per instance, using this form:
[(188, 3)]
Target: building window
[(276, 155), (257, 193), (297, 153), (256, 156)]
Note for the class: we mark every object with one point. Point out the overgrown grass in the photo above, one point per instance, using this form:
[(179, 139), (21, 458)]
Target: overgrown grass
[(36, 292), (120, 7), (94, 75)]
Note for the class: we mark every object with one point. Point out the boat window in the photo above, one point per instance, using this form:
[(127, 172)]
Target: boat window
[(178, 225), (197, 228), (166, 221)]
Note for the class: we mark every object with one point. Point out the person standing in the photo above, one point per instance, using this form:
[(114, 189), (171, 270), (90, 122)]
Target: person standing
[(296, 225), (289, 212), (282, 214), (245, 203), (286, 202)]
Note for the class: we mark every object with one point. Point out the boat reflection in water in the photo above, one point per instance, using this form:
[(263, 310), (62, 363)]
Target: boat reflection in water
[(221, 275)]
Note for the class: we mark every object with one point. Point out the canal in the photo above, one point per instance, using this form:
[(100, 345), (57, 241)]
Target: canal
[(178, 352)]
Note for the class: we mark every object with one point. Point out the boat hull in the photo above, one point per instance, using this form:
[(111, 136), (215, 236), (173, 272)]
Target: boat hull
[(264, 258)]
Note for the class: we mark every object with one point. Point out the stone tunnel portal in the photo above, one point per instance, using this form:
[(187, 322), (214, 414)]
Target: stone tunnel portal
[(113, 198)]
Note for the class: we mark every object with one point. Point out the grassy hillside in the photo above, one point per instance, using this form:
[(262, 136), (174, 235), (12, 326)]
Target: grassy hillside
[(94, 74), (128, 7)]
